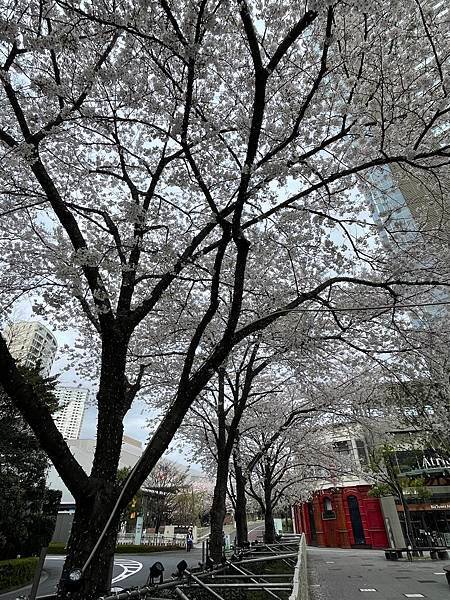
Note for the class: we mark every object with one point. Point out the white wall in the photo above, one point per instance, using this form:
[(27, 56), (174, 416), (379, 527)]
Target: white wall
[(83, 451)]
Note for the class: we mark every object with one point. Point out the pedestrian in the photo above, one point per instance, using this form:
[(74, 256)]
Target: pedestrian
[(189, 541), (409, 553)]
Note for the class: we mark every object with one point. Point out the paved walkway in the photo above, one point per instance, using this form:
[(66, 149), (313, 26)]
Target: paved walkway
[(367, 575)]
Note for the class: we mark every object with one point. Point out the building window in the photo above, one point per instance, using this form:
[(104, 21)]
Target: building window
[(342, 447), (362, 452), (328, 512)]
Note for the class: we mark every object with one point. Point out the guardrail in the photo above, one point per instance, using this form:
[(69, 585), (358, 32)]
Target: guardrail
[(300, 590), (244, 575), (152, 540)]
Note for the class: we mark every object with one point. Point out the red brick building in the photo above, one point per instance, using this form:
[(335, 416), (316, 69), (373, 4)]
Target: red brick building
[(341, 517)]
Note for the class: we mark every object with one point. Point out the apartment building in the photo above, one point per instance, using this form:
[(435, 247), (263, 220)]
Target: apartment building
[(69, 418), (31, 343)]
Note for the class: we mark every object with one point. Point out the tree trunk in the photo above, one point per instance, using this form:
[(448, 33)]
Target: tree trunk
[(396, 485), (240, 512), (218, 512), (409, 530), (269, 525), (93, 511), (89, 519)]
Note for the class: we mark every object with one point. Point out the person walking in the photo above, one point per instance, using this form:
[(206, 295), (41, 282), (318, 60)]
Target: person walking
[(189, 541)]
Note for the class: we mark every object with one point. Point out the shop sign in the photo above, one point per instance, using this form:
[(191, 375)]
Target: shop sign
[(431, 462), (445, 506)]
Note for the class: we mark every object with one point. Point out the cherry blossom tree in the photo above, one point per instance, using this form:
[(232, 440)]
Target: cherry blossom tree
[(293, 461), (282, 365), (212, 427), (163, 160)]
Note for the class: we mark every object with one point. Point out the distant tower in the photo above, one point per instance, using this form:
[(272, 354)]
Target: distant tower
[(409, 207), (412, 212), (70, 418), (30, 342)]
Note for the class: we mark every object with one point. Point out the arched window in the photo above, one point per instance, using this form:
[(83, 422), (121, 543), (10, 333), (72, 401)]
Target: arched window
[(328, 512), (356, 521)]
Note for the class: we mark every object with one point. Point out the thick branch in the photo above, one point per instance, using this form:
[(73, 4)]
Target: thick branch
[(38, 417)]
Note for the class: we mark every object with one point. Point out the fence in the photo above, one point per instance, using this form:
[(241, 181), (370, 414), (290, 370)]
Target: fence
[(300, 590), (242, 576), (153, 539)]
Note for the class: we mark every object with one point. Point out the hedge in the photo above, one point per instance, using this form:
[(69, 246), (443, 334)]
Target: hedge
[(56, 548), (17, 572)]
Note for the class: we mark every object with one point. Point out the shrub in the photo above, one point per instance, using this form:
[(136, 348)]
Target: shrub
[(16, 572), (56, 548)]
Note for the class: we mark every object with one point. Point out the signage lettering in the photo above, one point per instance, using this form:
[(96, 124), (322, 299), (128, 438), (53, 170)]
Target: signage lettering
[(435, 461)]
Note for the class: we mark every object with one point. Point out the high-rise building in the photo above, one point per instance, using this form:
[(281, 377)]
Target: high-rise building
[(412, 212), (70, 417), (30, 343), (409, 206), (427, 197)]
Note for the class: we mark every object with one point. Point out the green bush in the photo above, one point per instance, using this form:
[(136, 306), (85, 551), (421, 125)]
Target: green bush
[(56, 548), (17, 572)]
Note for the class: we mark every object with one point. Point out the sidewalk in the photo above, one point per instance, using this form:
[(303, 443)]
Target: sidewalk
[(357, 574), (203, 532)]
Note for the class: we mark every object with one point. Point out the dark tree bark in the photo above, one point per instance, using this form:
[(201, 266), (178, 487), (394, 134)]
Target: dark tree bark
[(240, 511), (89, 519), (94, 509), (220, 489), (225, 442), (218, 510), (269, 525)]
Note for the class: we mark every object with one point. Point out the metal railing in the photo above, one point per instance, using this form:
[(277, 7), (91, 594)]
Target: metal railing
[(301, 587), (158, 539), (240, 574)]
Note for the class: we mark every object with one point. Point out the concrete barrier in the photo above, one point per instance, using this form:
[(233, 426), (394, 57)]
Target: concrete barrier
[(300, 589)]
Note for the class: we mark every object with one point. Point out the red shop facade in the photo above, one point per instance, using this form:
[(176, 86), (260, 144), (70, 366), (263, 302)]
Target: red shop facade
[(344, 517)]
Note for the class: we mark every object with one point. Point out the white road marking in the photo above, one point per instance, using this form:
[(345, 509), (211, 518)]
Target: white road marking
[(414, 595), (367, 590), (329, 562), (260, 526), (130, 567), (440, 573)]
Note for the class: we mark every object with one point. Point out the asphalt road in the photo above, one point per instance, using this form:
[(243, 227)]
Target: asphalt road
[(367, 575), (255, 531), (129, 570)]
